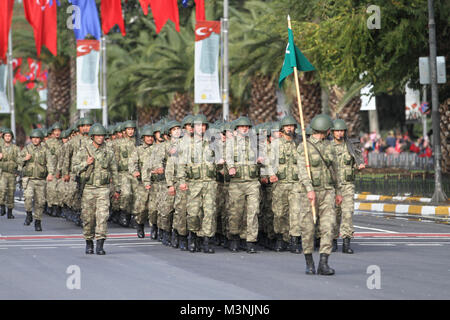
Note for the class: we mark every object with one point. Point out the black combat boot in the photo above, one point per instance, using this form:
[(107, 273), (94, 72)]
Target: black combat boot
[(53, 211), (28, 218), (37, 225), (183, 243), (316, 244), (89, 247), (323, 268), (346, 246), (140, 231), (2, 210), (251, 247), (10, 215), (58, 211), (310, 267), (99, 248), (294, 247), (198, 244), (234, 243), (153, 232), (334, 246), (160, 234), (207, 247), (175, 239), (191, 241)]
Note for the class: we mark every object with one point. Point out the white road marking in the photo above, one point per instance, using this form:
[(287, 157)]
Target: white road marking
[(375, 229)]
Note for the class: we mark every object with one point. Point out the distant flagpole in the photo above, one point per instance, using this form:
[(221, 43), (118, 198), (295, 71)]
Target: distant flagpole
[(104, 100), (11, 85), (302, 124)]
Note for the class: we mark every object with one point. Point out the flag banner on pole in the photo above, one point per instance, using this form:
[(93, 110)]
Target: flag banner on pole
[(88, 66), (207, 47), (89, 22), (41, 14), (200, 10), (6, 11), (164, 10), (293, 58), (111, 12), (4, 104), (412, 104), (43, 98)]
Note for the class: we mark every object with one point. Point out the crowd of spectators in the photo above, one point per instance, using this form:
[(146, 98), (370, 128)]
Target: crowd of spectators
[(394, 144)]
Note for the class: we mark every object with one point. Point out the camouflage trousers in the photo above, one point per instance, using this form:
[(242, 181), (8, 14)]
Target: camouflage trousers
[(324, 205), (222, 208), (7, 189), (267, 214), (53, 193), (128, 185), (34, 192), (201, 208), (164, 206), (344, 213), (95, 212), (179, 222), (152, 209), (244, 204), (72, 193), (140, 207), (286, 209)]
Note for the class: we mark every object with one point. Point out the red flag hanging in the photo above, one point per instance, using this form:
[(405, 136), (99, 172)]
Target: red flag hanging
[(144, 5), (111, 11), (200, 10), (6, 10), (42, 17), (164, 10)]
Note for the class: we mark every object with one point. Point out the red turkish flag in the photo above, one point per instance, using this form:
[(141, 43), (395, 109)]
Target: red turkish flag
[(111, 11), (42, 17), (164, 10), (200, 10), (6, 11), (144, 5)]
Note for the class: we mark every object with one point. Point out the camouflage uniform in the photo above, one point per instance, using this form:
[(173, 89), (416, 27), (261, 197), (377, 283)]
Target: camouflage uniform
[(322, 184), (8, 165), (35, 172), (199, 172), (53, 193), (96, 193), (243, 192)]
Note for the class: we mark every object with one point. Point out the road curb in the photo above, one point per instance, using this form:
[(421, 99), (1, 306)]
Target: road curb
[(374, 197)]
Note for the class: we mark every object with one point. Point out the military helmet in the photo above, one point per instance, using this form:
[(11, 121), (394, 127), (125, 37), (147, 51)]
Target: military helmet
[(129, 124), (36, 133), (276, 126), (85, 121), (308, 130), (189, 119), (146, 131), (64, 134), (288, 121), (173, 124), (97, 130), (56, 125), (200, 118), (158, 127), (6, 131), (242, 121), (339, 124), (321, 122)]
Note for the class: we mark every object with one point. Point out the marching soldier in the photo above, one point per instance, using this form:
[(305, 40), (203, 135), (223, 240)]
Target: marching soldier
[(320, 190), (9, 161), (286, 198), (348, 163), (97, 168), (38, 167), (135, 165), (198, 178), (54, 144), (244, 193)]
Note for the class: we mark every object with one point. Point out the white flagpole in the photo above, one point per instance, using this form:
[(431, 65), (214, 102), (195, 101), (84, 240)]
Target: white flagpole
[(11, 85), (104, 100)]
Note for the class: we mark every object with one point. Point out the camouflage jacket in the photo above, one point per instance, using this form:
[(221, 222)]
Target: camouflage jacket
[(10, 160), (241, 154), (137, 159), (158, 159), (123, 150), (41, 164), (347, 163), (283, 160)]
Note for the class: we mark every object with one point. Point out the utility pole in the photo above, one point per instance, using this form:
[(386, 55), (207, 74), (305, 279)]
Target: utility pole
[(439, 195), (225, 86), (11, 85)]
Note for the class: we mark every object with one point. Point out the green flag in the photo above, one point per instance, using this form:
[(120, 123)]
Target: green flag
[(293, 58)]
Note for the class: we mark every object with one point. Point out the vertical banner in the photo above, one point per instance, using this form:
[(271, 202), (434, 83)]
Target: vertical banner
[(207, 47), (88, 65), (4, 104), (412, 104)]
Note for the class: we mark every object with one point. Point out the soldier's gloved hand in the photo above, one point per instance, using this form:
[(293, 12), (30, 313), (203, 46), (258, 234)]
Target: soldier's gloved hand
[(1, 156), (27, 157), (361, 166), (183, 187), (232, 171), (90, 160), (136, 174), (172, 191), (264, 180), (221, 161), (116, 195), (311, 196), (273, 178), (66, 178), (148, 187), (49, 177), (160, 170)]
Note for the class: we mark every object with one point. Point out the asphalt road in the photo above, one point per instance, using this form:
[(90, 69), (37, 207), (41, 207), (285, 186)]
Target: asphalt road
[(394, 259)]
